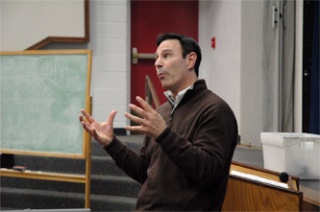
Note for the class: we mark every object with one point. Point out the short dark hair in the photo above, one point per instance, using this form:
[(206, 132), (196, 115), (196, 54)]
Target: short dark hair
[(188, 45)]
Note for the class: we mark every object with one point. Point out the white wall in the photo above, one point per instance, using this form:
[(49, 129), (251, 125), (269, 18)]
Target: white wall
[(25, 23), (110, 42), (243, 68), (259, 72), (221, 65)]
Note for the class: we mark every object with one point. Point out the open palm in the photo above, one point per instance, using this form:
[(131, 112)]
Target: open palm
[(101, 131)]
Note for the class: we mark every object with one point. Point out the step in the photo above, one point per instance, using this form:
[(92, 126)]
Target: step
[(36, 199), (105, 165), (51, 164), (111, 189), (40, 199), (112, 203), (103, 185), (133, 142), (33, 184), (99, 164), (115, 186)]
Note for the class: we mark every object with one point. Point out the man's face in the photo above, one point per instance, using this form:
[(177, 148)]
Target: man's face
[(172, 69)]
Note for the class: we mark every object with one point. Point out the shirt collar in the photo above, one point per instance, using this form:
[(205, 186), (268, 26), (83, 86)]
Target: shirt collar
[(175, 101)]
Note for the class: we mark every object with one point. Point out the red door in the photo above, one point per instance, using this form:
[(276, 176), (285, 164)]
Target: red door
[(148, 19)]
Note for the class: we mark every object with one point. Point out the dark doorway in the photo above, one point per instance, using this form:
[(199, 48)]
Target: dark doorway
[(311, 67)]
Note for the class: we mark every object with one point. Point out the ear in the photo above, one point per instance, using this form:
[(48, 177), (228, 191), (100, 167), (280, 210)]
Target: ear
[(191, 60)]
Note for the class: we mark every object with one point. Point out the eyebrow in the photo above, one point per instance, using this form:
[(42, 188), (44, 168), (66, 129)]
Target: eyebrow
[(164, 50)]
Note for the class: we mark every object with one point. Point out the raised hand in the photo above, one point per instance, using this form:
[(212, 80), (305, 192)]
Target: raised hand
[(101, 131), (151, 123)]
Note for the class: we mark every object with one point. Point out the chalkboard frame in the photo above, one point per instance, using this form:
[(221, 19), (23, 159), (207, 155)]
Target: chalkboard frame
[(87, 106)]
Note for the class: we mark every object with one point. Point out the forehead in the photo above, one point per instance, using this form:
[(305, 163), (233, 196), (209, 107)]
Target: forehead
[(169, 45)]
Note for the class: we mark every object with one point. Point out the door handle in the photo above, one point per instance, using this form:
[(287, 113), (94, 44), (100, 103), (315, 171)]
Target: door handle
[(135, 55)]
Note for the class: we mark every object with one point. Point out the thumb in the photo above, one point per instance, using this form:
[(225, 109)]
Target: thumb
[(111, 117)]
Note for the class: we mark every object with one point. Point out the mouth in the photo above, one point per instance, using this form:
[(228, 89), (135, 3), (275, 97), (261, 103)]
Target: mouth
[(161, 75)]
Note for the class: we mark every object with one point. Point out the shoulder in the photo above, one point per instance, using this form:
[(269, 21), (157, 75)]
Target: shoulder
[(215, 101), (209, 100)]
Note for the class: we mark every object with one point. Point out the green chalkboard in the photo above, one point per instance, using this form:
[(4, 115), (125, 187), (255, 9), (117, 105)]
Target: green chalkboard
[(41, 94)]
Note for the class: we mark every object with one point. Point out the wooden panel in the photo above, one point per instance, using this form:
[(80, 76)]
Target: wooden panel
[(75, 178), (247, 196), (267, 174), (262, 192)]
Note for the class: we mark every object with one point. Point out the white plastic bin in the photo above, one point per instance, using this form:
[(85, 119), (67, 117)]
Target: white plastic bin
[(294, 153)]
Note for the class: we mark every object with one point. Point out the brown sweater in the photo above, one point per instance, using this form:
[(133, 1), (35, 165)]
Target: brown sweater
[(186, 168)]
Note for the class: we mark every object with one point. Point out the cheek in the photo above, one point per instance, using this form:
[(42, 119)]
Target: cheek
[(178, 71), (175, 66)]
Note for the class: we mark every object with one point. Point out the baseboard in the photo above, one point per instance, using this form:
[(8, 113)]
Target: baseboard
[(120, 131)]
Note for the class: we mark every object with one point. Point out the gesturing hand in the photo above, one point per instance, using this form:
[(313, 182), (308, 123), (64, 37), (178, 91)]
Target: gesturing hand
[(151, 124), (101, 131)]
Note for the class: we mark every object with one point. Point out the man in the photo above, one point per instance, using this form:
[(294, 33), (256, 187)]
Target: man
[(189, 140)]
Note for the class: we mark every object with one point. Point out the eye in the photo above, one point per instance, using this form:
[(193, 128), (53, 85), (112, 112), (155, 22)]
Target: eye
[(166, 55)]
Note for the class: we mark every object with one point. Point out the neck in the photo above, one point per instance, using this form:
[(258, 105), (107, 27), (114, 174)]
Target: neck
[(190, 82)]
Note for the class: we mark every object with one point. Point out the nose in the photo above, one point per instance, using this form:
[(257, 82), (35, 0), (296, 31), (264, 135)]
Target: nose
[(158, 63)]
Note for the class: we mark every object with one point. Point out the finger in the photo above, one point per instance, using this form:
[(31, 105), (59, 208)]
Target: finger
[(87, 127), (111, 117), (134, 128), (144, 104), (87, 115), (138, 110), (81, 118), (83, 122), (134, 118)]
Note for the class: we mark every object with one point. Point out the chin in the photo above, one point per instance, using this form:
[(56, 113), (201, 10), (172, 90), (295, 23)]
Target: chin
[(165, 84)]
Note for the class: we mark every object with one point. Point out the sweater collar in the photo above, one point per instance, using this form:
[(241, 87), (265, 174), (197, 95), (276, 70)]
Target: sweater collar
[(174, 101), (197, 86)]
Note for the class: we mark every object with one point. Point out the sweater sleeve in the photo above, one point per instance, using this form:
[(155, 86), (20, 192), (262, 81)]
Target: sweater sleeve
[(206, 160), (133, 163)]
